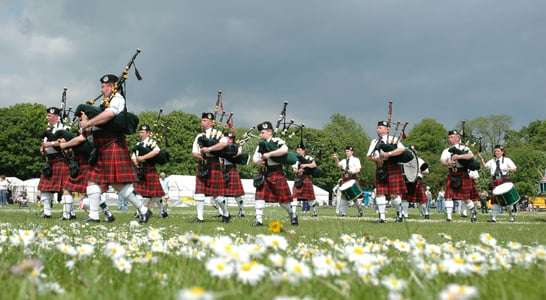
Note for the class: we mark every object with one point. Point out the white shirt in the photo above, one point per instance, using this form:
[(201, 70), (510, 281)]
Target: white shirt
[(505, 164), (165, 185), (258, 156), (56, 127), (297, 164), (384, 138), (446, 155), (208, 133), (354, 164), (148, 142)]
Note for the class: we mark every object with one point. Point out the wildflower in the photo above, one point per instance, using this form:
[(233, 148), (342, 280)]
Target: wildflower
[(297, 270), (218, 267), (488, 240), (394, 284), (85, 250), (67, 249), (27, 266), (194, 293), (123, 265), (114, 250), (251, 272), (276, 242), (458, 292), (275, 226)]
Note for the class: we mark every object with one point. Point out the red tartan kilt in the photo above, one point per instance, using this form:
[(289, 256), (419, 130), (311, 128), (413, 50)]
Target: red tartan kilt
[(214, 185), (495, 183), (234, 188), (78, 184), (150, 186), (114, 163), (275, 188), (462, 193), (419, 195), (395, 183), (306, 192), (475, 195), (54, 183)]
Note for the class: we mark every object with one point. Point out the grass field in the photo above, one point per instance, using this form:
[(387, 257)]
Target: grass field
[(323, 258)]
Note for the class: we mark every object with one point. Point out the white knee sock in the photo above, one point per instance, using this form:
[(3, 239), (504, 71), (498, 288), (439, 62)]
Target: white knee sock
[(405, 208), (294, 205), (495, 209), (382, 206), (220, 201), (260, 206), (93, 194), (449, 208)]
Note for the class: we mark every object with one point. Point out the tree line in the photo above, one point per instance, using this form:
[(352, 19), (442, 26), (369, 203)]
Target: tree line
[(22, 124)]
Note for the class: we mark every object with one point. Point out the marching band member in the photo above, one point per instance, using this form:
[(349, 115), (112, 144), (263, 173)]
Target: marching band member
[(351, 167), (416, 193), (459, 184), (209, 180), (388, 175), (500, 167), (114, 165), (274, 187), (53, 177), (77, 183), (148, 185), (234, 186), (303, 189)]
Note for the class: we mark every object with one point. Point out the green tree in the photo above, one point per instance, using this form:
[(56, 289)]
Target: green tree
[(20, 140), (492, 129)]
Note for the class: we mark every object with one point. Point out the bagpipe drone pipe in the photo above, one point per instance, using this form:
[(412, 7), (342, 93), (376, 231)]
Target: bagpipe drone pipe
[(392, 144), (158, 134), (125, 122)]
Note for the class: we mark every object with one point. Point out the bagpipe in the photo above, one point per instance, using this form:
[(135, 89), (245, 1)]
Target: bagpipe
[(392, 141), (470, 164), (83, 148), (213, 137), (125, 122), (158, 134)]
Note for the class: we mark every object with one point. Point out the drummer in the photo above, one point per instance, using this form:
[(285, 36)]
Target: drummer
[(500, 167), (388, 175), (350, 166)]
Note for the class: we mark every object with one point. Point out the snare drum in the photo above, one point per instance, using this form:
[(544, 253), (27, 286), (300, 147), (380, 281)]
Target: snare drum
[(350, 189), (506, 194)]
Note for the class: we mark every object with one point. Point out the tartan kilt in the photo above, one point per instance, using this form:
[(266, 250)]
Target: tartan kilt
[(495, 183), (78, 184), (150, 186), (418, 196), (275, 188), (306, 192), (234, 188), (55, 182), (395, 183), (114, 164), (464, 192), (214, 185), (475, 195)]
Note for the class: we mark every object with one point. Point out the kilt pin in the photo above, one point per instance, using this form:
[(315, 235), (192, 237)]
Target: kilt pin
[(114, 164), (150, 185), (395, 183), (275, 188), (464, 191), (55, 182), (306, 191), (418, 196), (234, 187), (214, 185), (78, 184)]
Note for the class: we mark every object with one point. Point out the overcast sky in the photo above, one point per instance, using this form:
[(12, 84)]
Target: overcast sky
[(446, 60)]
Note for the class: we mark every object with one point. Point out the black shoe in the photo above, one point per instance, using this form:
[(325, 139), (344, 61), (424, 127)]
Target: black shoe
[(241, 214), (343, 215), (294, 220), (380, 221), (512, 220), (360, 213), (89, 220), (427, 217), (257, 224), (448, 220), (314, 215), (145, 217), (62, 218), (197, 220), (399, 218), (219, 215), (45, 216), (163, 215), (73, 217), (492, 221), (226, 219), (136, 215), (109, 218)]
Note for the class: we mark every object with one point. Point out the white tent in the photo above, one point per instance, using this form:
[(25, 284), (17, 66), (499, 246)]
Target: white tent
[(30, 185), (182, 188)]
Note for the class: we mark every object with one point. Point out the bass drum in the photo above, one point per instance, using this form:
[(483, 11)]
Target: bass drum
[(410, 169), (350, 189)]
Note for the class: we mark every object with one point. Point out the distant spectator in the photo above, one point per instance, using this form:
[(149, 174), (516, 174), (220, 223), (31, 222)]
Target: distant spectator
[(4, 186)]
